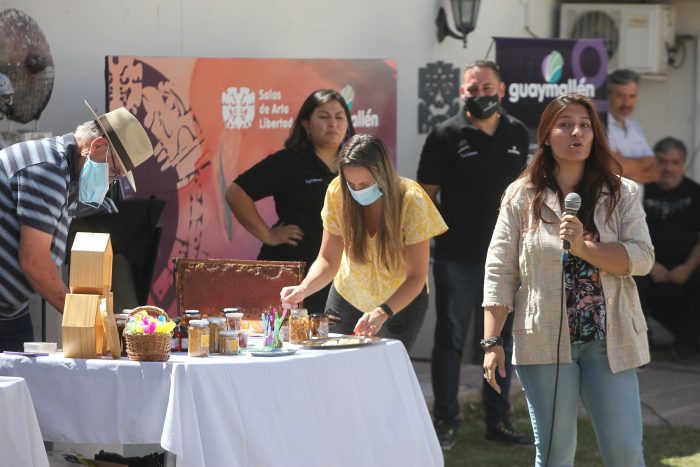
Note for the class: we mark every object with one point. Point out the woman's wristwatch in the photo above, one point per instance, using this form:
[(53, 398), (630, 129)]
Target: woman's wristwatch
[(486, 344)]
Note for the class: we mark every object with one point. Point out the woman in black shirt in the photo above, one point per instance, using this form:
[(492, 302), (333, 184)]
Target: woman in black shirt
[(296, 177)]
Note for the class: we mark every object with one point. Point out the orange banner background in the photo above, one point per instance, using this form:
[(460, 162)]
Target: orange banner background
[(211, 119)]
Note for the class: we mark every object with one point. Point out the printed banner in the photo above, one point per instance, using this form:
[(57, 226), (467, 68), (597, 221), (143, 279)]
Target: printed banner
[(211, 119), (535, 71)]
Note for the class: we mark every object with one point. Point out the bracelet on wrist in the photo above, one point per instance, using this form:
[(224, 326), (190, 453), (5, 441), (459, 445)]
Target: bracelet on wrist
[(387, 309), (489, 342)]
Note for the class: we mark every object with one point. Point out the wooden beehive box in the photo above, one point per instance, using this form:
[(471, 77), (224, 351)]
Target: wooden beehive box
[(109, 323), (210, 285), (82, 329), (91, 264)]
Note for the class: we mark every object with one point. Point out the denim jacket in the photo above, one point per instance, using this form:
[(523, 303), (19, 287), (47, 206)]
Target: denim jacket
[(524, 273)]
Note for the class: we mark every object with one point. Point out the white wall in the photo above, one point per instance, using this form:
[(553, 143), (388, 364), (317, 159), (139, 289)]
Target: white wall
[(668, 107)]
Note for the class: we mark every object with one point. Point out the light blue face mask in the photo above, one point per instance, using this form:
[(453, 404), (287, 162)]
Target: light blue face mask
[(366, 196), (94, 182)]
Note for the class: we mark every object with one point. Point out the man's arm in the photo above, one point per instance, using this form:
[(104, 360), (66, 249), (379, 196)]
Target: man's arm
[(642, 170), (38, 267), (681, 273), (431, 190)]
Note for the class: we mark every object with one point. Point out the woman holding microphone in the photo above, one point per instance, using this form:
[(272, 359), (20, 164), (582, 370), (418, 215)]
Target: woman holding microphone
[(578, 330)]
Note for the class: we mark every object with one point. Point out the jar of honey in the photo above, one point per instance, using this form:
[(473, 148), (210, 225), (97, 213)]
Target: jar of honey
[(198, 338), (298, 326), (234, 318), (229, 342), (216, 325), (121, 319), (318, 326)]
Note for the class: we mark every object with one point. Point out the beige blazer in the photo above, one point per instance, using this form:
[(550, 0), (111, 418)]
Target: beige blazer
[(523, 272)]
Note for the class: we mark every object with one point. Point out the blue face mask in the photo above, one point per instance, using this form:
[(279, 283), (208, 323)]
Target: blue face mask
[(94, 182), (366, 196)]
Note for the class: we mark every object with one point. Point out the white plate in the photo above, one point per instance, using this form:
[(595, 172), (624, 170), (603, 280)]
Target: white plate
[(271, 352)]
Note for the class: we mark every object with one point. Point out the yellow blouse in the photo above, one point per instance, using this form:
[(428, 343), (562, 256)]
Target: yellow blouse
[(367, 285)]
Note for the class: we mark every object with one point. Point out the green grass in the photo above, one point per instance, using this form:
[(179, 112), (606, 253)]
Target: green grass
[(663, 446)]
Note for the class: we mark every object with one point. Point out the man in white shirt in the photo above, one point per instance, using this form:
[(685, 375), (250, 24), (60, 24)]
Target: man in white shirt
[(625, 136)]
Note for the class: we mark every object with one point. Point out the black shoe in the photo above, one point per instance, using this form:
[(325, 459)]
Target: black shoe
[(505, 433), (446, 433)]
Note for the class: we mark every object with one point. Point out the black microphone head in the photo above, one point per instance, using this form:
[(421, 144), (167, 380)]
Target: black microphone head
[(572, 203)]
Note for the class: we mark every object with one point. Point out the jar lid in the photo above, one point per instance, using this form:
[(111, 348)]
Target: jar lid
[(229, 333), (199, 323), (216, 319), (299, 311), (191, 312), (232, 310)]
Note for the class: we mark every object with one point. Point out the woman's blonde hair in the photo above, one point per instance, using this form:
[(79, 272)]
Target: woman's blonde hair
[(369, 152)]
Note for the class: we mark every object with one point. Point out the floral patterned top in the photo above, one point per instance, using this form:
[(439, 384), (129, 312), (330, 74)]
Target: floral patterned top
[(585, 302), (366, 285)]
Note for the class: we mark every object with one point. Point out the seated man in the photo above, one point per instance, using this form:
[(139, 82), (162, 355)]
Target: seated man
[(671, 291), (625, 136)]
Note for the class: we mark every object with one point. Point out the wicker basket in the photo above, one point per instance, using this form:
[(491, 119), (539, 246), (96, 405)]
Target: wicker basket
[(148, 347)]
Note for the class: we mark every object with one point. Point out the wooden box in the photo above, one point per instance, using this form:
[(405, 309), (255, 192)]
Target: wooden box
[(91, 264), (82, 329), (210, 285)]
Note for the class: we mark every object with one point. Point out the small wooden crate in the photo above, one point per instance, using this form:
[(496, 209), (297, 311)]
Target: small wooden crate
[(91, 264), (82, 329)]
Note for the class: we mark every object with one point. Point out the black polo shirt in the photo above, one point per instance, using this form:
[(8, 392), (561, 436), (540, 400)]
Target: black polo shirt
[(297, 182), (472, 169)]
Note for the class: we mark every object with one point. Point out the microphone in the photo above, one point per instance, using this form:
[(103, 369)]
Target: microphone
[(572, 203)]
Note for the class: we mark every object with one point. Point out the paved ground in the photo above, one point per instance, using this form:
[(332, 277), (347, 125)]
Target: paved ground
[(670, 391)]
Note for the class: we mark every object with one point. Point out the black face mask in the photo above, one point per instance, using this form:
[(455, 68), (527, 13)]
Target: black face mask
[(482, 107)]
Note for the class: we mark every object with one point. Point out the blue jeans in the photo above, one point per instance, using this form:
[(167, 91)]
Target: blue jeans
[(15, 332), (458, 293), (612, 401)]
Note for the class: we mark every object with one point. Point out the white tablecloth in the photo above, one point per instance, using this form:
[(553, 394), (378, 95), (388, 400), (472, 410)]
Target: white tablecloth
[(357, 406), (21, 443)]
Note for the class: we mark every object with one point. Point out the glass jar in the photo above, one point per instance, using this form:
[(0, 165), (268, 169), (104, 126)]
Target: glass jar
[(229, 342), (243, 339), (234, 318), (190, 315), (216, 325), (177, 337), (198, 338), (121, 319), (318, 326), (284, 331), (298, 326)]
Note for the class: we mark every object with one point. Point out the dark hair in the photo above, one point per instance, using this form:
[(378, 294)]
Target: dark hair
[(298, 139), (600, 169), (485, 64), (622, 76), (668, 143)]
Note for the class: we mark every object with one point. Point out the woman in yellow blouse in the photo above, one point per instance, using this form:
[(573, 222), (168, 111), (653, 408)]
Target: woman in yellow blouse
[(376, 232)]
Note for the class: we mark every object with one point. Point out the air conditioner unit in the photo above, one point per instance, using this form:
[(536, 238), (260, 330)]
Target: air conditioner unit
[(636, 36)]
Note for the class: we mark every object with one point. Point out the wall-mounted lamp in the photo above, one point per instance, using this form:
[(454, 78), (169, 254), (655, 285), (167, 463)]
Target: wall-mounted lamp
[(463, 16)]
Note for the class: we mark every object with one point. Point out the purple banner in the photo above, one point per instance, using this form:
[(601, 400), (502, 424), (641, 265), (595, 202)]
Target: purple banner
[(535, 71)]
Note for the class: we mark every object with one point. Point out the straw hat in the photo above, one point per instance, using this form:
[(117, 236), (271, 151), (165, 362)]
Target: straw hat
[(127, 138)]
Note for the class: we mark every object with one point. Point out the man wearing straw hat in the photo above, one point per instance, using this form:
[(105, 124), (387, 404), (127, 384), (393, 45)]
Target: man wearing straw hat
[(41, 182)]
